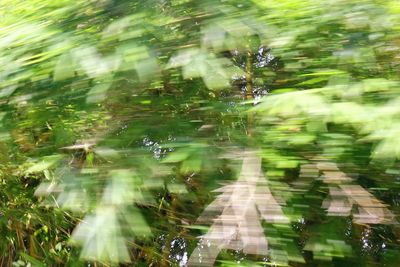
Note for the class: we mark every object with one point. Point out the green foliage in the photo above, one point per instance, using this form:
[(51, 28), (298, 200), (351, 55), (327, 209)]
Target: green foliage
[(118, 118)]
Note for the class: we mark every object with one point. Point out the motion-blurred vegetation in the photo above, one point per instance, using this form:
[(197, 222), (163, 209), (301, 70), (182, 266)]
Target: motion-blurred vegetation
[(200, 133)]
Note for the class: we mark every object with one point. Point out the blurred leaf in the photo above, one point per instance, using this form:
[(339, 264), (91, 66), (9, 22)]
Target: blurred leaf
[(44, 164)]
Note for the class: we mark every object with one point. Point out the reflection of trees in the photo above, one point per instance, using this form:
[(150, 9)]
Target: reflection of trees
[(343, 196), (242, 205)]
